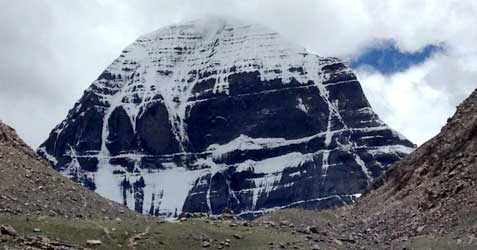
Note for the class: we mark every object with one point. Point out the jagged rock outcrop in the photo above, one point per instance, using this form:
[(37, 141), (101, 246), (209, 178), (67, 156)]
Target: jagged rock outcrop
[(215, 114)]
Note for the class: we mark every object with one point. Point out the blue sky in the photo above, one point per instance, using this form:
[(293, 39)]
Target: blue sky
[(386, 57)]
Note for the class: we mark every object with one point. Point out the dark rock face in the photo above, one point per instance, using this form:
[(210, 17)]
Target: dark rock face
[(121, 134), (213, 115)]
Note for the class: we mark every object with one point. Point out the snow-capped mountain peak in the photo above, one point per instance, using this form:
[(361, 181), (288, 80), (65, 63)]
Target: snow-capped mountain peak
[(215, 113)]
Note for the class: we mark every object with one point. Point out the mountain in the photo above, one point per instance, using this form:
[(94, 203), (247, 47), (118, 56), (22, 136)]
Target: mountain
[(30, 187), (215, 115)]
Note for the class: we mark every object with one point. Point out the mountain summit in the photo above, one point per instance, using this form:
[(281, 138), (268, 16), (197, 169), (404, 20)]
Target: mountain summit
[(215, 115)]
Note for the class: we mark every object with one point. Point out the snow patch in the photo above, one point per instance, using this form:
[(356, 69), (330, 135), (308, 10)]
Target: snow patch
[(363, 166), (301, 106), (48, 156)]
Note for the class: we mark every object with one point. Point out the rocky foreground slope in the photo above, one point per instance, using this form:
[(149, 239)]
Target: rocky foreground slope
[(215, 115), (30, 187)]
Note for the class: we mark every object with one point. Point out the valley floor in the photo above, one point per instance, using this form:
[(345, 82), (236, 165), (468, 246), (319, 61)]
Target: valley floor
[(287, 229), (144, 233)]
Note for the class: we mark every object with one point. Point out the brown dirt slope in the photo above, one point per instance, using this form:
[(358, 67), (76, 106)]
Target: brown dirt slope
[(29, 186)]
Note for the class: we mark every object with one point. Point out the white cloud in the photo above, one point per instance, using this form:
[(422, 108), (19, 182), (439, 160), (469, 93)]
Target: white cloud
[(52, 50), (418, 102)]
